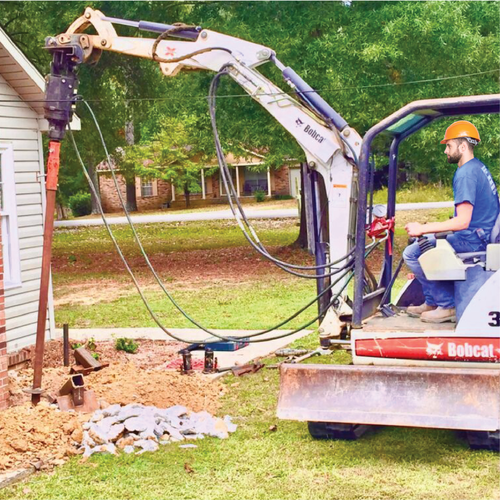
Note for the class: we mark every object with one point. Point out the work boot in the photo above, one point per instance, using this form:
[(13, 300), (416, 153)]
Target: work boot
[(439, 315), (416, 311)]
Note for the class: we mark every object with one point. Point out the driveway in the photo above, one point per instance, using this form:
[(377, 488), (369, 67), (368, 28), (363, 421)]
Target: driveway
[(226, 214)]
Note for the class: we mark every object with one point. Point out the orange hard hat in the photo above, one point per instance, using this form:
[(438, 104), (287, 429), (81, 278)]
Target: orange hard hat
[(461, 128)]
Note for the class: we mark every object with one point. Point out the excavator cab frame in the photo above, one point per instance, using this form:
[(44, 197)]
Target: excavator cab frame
[(400, 125)]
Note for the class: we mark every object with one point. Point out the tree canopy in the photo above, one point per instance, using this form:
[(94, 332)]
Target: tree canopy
[(367, 59)]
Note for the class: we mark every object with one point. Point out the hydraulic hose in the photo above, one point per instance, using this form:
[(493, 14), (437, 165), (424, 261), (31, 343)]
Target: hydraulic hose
[(228, 183)]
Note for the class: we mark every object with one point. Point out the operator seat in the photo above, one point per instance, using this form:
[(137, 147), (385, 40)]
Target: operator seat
[(491, 257)]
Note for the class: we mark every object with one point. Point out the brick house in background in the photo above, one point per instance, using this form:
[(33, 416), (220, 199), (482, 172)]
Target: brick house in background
[(155, 194)]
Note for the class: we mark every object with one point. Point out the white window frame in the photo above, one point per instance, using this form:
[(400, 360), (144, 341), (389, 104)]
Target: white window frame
[(8, 213), (146, 185)]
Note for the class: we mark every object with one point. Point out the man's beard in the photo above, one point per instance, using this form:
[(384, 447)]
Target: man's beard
[(454, 158)]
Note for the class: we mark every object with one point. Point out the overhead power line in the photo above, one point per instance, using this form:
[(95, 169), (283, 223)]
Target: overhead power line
[(291, 93)]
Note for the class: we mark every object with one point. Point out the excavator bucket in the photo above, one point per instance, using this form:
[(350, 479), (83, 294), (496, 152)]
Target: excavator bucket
[(446, 398)]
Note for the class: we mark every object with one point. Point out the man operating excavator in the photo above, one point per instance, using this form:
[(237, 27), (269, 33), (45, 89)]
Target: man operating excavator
[(476, 210)]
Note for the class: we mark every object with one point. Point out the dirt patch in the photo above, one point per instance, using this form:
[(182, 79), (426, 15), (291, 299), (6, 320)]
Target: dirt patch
[(39, 436), (240, 263), (45, 437), (126, 383), (150, 353)]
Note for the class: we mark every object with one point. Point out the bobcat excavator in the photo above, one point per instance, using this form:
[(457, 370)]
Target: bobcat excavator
[(404, 372)]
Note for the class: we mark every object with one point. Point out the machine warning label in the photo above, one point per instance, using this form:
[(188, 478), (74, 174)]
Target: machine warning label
[(432, 348)]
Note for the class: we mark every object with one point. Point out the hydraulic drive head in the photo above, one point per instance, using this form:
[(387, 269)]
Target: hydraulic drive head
[(62, 83)]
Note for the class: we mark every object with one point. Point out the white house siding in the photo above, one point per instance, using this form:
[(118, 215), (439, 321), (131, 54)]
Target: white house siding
[(19, 126)]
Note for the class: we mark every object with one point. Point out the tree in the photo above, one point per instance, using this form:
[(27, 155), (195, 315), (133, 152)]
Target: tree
[(362, 57), (169, 155)]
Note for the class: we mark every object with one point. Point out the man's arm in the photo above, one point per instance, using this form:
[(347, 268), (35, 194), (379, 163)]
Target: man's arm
[(458, 223)]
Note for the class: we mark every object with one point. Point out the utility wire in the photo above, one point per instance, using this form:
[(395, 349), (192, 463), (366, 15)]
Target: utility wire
[(291, 94)]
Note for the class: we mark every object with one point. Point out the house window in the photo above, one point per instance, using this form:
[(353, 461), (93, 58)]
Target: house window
[(146, 188), (8, 213), (254, 181)]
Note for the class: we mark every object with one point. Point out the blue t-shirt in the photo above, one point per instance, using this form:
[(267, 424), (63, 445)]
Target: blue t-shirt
[(473, 183)]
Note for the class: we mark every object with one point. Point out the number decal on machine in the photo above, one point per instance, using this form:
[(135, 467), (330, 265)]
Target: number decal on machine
[(495, 315)]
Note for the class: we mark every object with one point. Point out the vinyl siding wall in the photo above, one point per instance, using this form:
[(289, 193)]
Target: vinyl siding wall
[(19, 126)]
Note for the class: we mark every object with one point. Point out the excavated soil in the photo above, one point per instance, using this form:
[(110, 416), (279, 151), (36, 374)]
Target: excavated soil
[(150, 353), (45, 437), (39, 436)]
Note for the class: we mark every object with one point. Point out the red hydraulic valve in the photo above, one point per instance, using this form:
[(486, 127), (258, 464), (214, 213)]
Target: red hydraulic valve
[(379, 228)]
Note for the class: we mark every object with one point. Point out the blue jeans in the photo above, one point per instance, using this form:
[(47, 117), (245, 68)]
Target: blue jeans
[(438, 293)]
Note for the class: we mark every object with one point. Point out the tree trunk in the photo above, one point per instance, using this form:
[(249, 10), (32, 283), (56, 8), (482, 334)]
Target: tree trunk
[(130, 182), (95, 182), (301, 240), (186, 196)]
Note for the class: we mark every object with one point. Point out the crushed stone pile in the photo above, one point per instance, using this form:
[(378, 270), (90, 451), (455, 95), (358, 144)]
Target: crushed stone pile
[(41, 436), (136, 428)]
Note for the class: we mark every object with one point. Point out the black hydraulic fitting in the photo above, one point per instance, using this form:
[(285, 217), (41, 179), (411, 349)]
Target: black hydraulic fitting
[(62, 84), (210, 361), (424, 244), (186, 361)]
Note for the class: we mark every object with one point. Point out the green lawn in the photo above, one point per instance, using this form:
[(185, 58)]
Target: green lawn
[(287, 464), (256, 305)]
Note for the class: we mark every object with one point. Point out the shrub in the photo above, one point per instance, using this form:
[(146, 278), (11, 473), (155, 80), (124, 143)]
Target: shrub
[(127, 345), (259, 195), (283, 197), (80, 204)]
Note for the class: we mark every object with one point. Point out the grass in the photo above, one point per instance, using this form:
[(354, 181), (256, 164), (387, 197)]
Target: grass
[(169, 237), (249, 306), (253, 304), (256, 463), (417, 193)]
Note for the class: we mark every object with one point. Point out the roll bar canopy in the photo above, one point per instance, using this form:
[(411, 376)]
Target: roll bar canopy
[(400, 125)]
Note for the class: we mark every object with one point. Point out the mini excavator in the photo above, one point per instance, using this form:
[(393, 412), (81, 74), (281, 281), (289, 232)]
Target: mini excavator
[(404, 372)]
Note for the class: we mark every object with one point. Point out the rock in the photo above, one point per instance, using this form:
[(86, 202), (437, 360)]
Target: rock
[(146, 445), (97, 416), (103, 404), (229, 424), (139, 424), (125, 441), (129, 411), (174, 433), (87, 439), (19, 445), (97, 436), (175, 411), (58, 461), (220, 429), (111, 411), (129, 449), (77, 435), (69, 427), (115, 432)]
